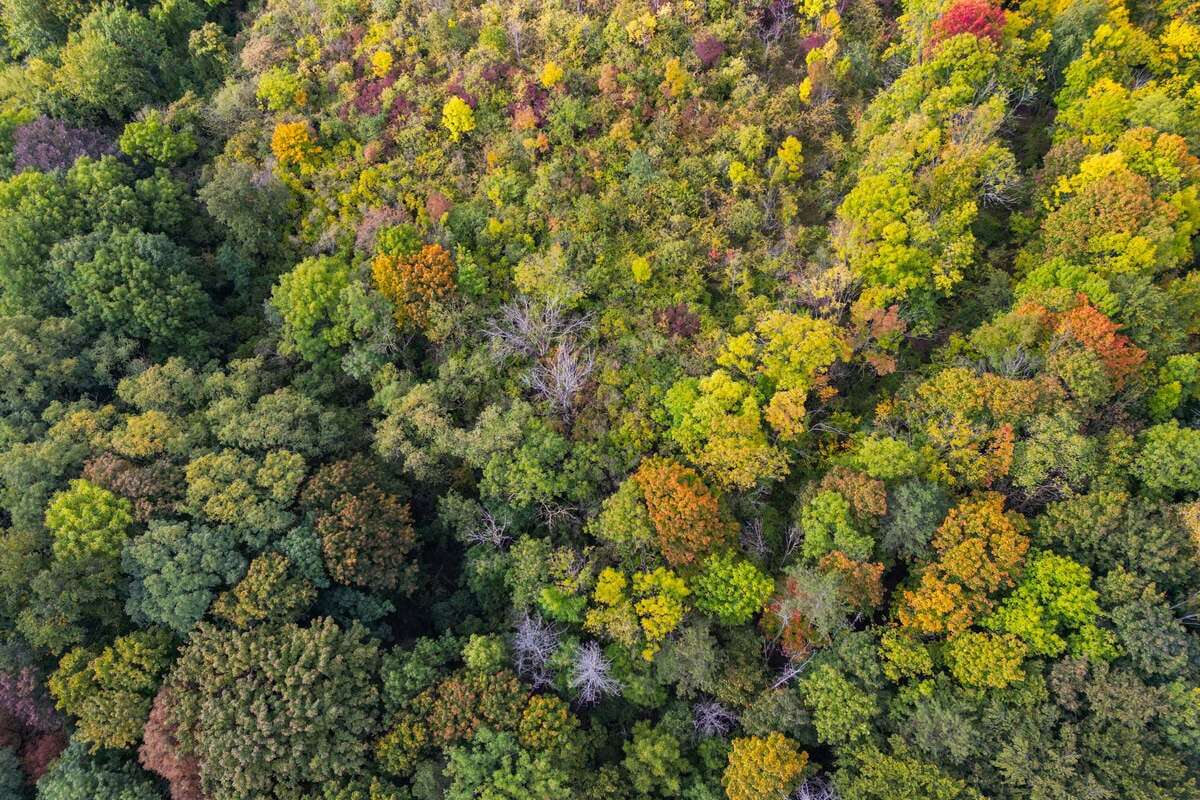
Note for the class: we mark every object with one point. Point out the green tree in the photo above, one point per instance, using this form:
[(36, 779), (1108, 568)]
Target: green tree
[(176, 569), (135, 284), (107, 775), (109, 693), (297, 734), (730, 589), (87, 520)]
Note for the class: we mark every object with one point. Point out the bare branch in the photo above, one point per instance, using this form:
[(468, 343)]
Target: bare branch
[(533, 644), (591, 674), (490, 530), (710, 719)]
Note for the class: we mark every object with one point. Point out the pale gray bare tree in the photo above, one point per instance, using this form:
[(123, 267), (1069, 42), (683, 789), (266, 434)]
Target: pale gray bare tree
[(710, 719), (533, 644), (591, 674)]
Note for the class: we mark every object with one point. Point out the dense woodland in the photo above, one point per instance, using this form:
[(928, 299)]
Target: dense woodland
[(599, 399)]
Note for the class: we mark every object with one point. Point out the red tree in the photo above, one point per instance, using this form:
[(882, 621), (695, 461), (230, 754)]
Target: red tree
[(976, 17)]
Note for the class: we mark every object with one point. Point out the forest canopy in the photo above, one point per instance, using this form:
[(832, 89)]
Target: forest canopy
[(599, 399)]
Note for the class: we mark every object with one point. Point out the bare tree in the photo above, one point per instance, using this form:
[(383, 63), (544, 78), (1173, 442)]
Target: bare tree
[(560, 377), (753, 541), (791, 670), (533, 644), (710, 719), (815, 788), (532, 331), (490, 530), (591, 674), (793, 537)]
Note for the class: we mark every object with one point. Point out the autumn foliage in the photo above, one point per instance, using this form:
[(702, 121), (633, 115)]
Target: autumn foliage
[(980, 550), (761, 767), (979, 18), (414, 283), (686, 515)]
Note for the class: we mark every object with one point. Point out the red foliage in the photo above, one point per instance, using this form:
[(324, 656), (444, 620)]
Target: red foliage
[(437, 204), (159, 752), (39, 753), (679, 321), (152, 488), (1088, 326), (708, 49), (976, 17), (366, 532)]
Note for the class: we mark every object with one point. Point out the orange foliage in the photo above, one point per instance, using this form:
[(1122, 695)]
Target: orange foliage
[(414, 283), (862, 581), (685, 513), (866, 495), (980, 549), (1098, 333)]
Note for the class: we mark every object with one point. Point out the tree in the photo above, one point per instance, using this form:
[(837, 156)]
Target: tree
[(761, 767), (309, 300), (176, 570), (732, 590), (1053, 598), (269, 592), (251, 204), (717, 422), (414, 283), (828, 525), (159, 752), (1169, 460), (496, 766), (110, 64), (876, 775), (254, 728), (88, 521), (654, 761), (233, 488), (842, 711), (976, 17), (685, 513), (136, 284), (366, 533), (979, 547), (986, 660), (107, 775), (110, 692), (457, 117)]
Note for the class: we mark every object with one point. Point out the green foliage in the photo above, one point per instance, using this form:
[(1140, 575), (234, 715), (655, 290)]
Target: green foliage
[(828, 525), (1169, 460), (732, 590), (153, 139), (107, 775), (109, 693), (301, 734), (176, 570), (87, 520), (309, 300), (134, 284), (1054, 609), (654, 761), (842, 712)]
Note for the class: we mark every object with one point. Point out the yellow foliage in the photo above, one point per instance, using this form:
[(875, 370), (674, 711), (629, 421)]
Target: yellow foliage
[(551, 74), (763, 767), (457, 117), (674, 78), (790, 156), (292, 143), (381, 63)]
